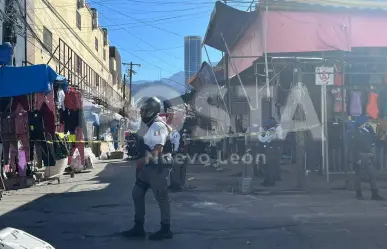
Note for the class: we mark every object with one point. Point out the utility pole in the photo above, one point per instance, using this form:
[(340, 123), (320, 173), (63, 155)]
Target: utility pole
[(10, 24), (131, 72)]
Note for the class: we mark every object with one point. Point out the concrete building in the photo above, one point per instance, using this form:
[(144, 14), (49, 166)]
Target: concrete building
[(66, 35), (192, 56), (13, 28)]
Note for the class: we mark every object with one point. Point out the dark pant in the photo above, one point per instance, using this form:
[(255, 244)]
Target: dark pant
[(178, 175), (253, 147), (154, 178), (381, 154), (364, 170), (271, 166)]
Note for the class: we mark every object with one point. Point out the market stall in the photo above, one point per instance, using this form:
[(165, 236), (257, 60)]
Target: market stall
[(28, 121)]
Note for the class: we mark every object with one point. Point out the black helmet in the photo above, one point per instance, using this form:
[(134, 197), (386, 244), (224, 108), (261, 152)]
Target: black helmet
[(150, 109)]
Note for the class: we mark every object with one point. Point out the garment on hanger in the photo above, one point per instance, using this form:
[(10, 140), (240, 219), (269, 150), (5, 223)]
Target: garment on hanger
[(79, 145), (355, 106), (21, 129), (338, 80), (41, 98), (20, 100), (72, 100), (48, 152), (71, 120), (61, 99), (339, 104), (9, 139), (37, 137), (372, 106), (48, 119)]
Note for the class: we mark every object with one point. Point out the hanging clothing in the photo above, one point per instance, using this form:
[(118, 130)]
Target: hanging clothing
[(339, 104), (372, 106), (20, 100), (71, 120), (338, 80), (72, 100), (41, 98), (78, 145), (48, 152), (48, 119), (61, 99), (355, 108), (9, 139), (21, 129)]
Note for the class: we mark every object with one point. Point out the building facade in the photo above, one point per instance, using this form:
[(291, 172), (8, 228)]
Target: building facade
[(13, 28), (66, 36), (192, 56)]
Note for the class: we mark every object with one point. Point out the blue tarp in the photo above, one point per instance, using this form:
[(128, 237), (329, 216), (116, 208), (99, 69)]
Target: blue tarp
[(15, 81), (5, 53)]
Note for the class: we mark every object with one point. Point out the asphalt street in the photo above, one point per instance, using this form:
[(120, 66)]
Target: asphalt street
[(92, 209)]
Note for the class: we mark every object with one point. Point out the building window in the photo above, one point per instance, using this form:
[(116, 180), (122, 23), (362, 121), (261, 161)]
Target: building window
[(47, 39), (104, 54), (79, 20), (96, 44)]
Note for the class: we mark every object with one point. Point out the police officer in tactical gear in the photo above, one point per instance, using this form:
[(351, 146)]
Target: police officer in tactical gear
[(152, 170)]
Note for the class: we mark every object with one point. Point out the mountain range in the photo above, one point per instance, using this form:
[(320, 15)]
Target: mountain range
[(176, 82)]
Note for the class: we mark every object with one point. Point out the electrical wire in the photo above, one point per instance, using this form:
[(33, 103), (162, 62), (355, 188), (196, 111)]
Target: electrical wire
[(142, 40), (140, 21)]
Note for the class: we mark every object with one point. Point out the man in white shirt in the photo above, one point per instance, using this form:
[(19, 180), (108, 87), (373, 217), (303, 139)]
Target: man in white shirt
[(271, 135), (155, 149)]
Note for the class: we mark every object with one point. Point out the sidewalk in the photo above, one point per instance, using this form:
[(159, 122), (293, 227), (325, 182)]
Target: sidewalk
[(208, 179)]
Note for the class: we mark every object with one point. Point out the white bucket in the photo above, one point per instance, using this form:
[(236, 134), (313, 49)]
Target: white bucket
[(245, 185), (57, 170)]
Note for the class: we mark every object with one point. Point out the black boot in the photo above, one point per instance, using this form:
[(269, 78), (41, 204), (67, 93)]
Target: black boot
[(163, 233), (376, 196), (359, 195), (136, 232)]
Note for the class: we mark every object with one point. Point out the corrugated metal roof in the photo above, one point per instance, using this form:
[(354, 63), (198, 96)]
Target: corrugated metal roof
[(347, 4)]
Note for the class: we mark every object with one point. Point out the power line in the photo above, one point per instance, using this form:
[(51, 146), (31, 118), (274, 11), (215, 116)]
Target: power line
[(139, 46), (130, 33), (148, 20), (138, 20)]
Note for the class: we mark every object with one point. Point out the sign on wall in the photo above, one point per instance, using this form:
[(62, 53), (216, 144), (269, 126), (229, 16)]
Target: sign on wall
[(325, 76)]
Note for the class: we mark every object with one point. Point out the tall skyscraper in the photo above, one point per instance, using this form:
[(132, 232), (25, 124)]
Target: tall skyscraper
[(192, 56)]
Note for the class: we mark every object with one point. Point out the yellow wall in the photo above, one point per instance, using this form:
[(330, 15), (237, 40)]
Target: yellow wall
[(82, 42)]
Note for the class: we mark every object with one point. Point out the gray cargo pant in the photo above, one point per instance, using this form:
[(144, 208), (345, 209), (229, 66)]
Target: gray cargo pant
[(365, 170), (154, 178), (178, 174)]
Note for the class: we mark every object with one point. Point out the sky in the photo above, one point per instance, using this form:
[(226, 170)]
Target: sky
[(151, 32)]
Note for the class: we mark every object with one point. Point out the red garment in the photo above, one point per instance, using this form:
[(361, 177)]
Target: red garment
[(338, 80), (41, 98), (73, 100), (20, 100), (48, 119), (372, 106), (78, 145)]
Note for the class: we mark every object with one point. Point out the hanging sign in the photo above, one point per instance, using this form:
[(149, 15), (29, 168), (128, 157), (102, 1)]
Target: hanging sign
[(325, 76)]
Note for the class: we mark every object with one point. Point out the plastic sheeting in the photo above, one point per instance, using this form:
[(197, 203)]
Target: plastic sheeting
[(16, 81)]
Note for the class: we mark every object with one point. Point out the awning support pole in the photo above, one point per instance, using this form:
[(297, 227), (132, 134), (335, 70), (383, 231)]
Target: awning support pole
[(237, 73), (216, 80)]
